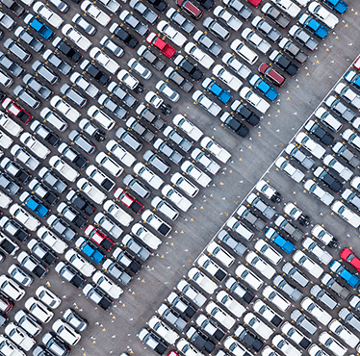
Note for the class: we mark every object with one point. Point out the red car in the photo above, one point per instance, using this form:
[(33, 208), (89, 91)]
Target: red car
[(255, 3), (348, 256), (128, 200), (272, 74), (166, 49), (190, 8), (16, 110), (357, 64), (99, 238)]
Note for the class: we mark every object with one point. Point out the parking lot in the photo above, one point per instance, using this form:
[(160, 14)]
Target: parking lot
[(114, 331)]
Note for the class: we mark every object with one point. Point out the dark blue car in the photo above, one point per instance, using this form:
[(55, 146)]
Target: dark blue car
[(312, 25), (223, 95), (339, 6), (257, 82)]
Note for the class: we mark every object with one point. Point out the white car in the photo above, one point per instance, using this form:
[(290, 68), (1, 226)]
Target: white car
[(234, 64), (348, 215), (227, 18), (267, 313), (66, 332), (195, 173), (5, 201), (93, 11), (249, 277), (104, 60), (75, 36), (47, 14), (258, 326), (64, 108), (314, 148), (148, 175), (199, 55), (321, 13), (351, 137), (136, 66), (243, 51), (220, 315), (193, 294), (120, 153), (105, 161), (156, 223), (119, 214), (254, 99), (355, 183), (202, 281), (284, 165), (316, 311), (268, 251), (169, 335), (343, 333), (288, 6), (128, 79), (321, 234), (209, 164), (187, 349), (276, 298), (10, 288), (100, 117), (318, 192), (226, 77), (220, 254), (177, 198), (253, 259), (28, 323), (323, 256), (343, 171), (235, 225), (215, 149), (5, 140), (164, 207), (64, 168), (255, 40), (8, 348), (327, 119), (171, 33), (34, 145), (107, 285), (9, 125), (84, 84), (154, 99), (39, 310), (184, 184), (23, 217), (211, 267), (235, 347), (79, 262), (232, 305), (284, 346), (166, 90), (295, 334), (188, 127), (332, 344), (48, 297), (146, 236), (308, 264), (315, 350), (50, 239), (18, 335), (24, 157)]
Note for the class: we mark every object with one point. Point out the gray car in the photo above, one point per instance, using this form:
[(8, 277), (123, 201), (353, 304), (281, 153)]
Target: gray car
[(84, 84), (178, 139), (173, 155), (45, 72), (72, 155), (157, 162), (32, 83), (178, 79), (145, 113), (231, 242), (215, 28), (135, 126), (109, 104), (7, 63), (127, 98), (136, 186), (73, 95), (82, 142), (265, 28), (206, 42), (291, 271), (9, 184), (52, 179), (180, 20), (17, 50), (134, 23), (127, 138), (60, 5), (62, 66), (85, 25), (287, 288), (148, 14), (172, 317), (112, 47), (55, 344), (26, 37), (28, 98), (324, 297), (239, 8), (61, 227), (6, 21), (116, 271), (136, 247), (331, 283), (304, 322), (350, 318)]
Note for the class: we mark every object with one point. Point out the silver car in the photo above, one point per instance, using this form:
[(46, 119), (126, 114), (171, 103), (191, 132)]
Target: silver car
[(73, 95), (81, 141), (287, 288), (28, 98), (124, 136), (157, 162), (324, 297), (304, 322), (295, 274), (136, 186)]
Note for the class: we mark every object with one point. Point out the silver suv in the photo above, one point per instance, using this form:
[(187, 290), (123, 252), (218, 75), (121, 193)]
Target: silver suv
[(304, 322)]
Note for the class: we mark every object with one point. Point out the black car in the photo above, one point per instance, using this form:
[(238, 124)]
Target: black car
[(178, 79), (158, 4), (12, 5), (234, 124), (189, 68), (285, 64), (43, 192), (80, 202), (67, 50), (200, 340), (69, 273), (95, 72), (7, 63), (248, 338), (12, 228), (123, 35), (252, 118), (42, 252), (207, 4), (333, 183), (319, 132)]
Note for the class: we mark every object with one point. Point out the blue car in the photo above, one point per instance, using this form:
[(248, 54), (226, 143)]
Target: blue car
[(89, 249), (353, 78), (312, 25), (257, 82), (223, 95), (341, 271), (38, 26), (284, 244), (33, 204), (339, 6)]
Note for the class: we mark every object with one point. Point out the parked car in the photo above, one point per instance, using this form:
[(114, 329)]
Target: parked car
[(148, 14)]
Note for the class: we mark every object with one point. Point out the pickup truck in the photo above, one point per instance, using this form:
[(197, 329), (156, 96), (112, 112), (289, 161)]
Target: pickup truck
[(23, 156), (283, 224), (50, 178), (210, 106), (128, 200), (341, 150), (166, 49), (285, 64), (10, 125), (268, 191), (284, 244), (7, 245), (150, 117), (11, 227), (178, 79), (264, 27), (33, 204), (99, 238), (292, 50), (142, 131), (301, 157), (70, 274), (116, 271), (97, 296), (339, 6), (63, 168), (312, 25), (39, 27), (89, 249), (223, 95), (275, 15), (172, 317), (350, 278), (126, 260), (257, 203), (119, 214), (149, 56), (9, 184), (247, 215)]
